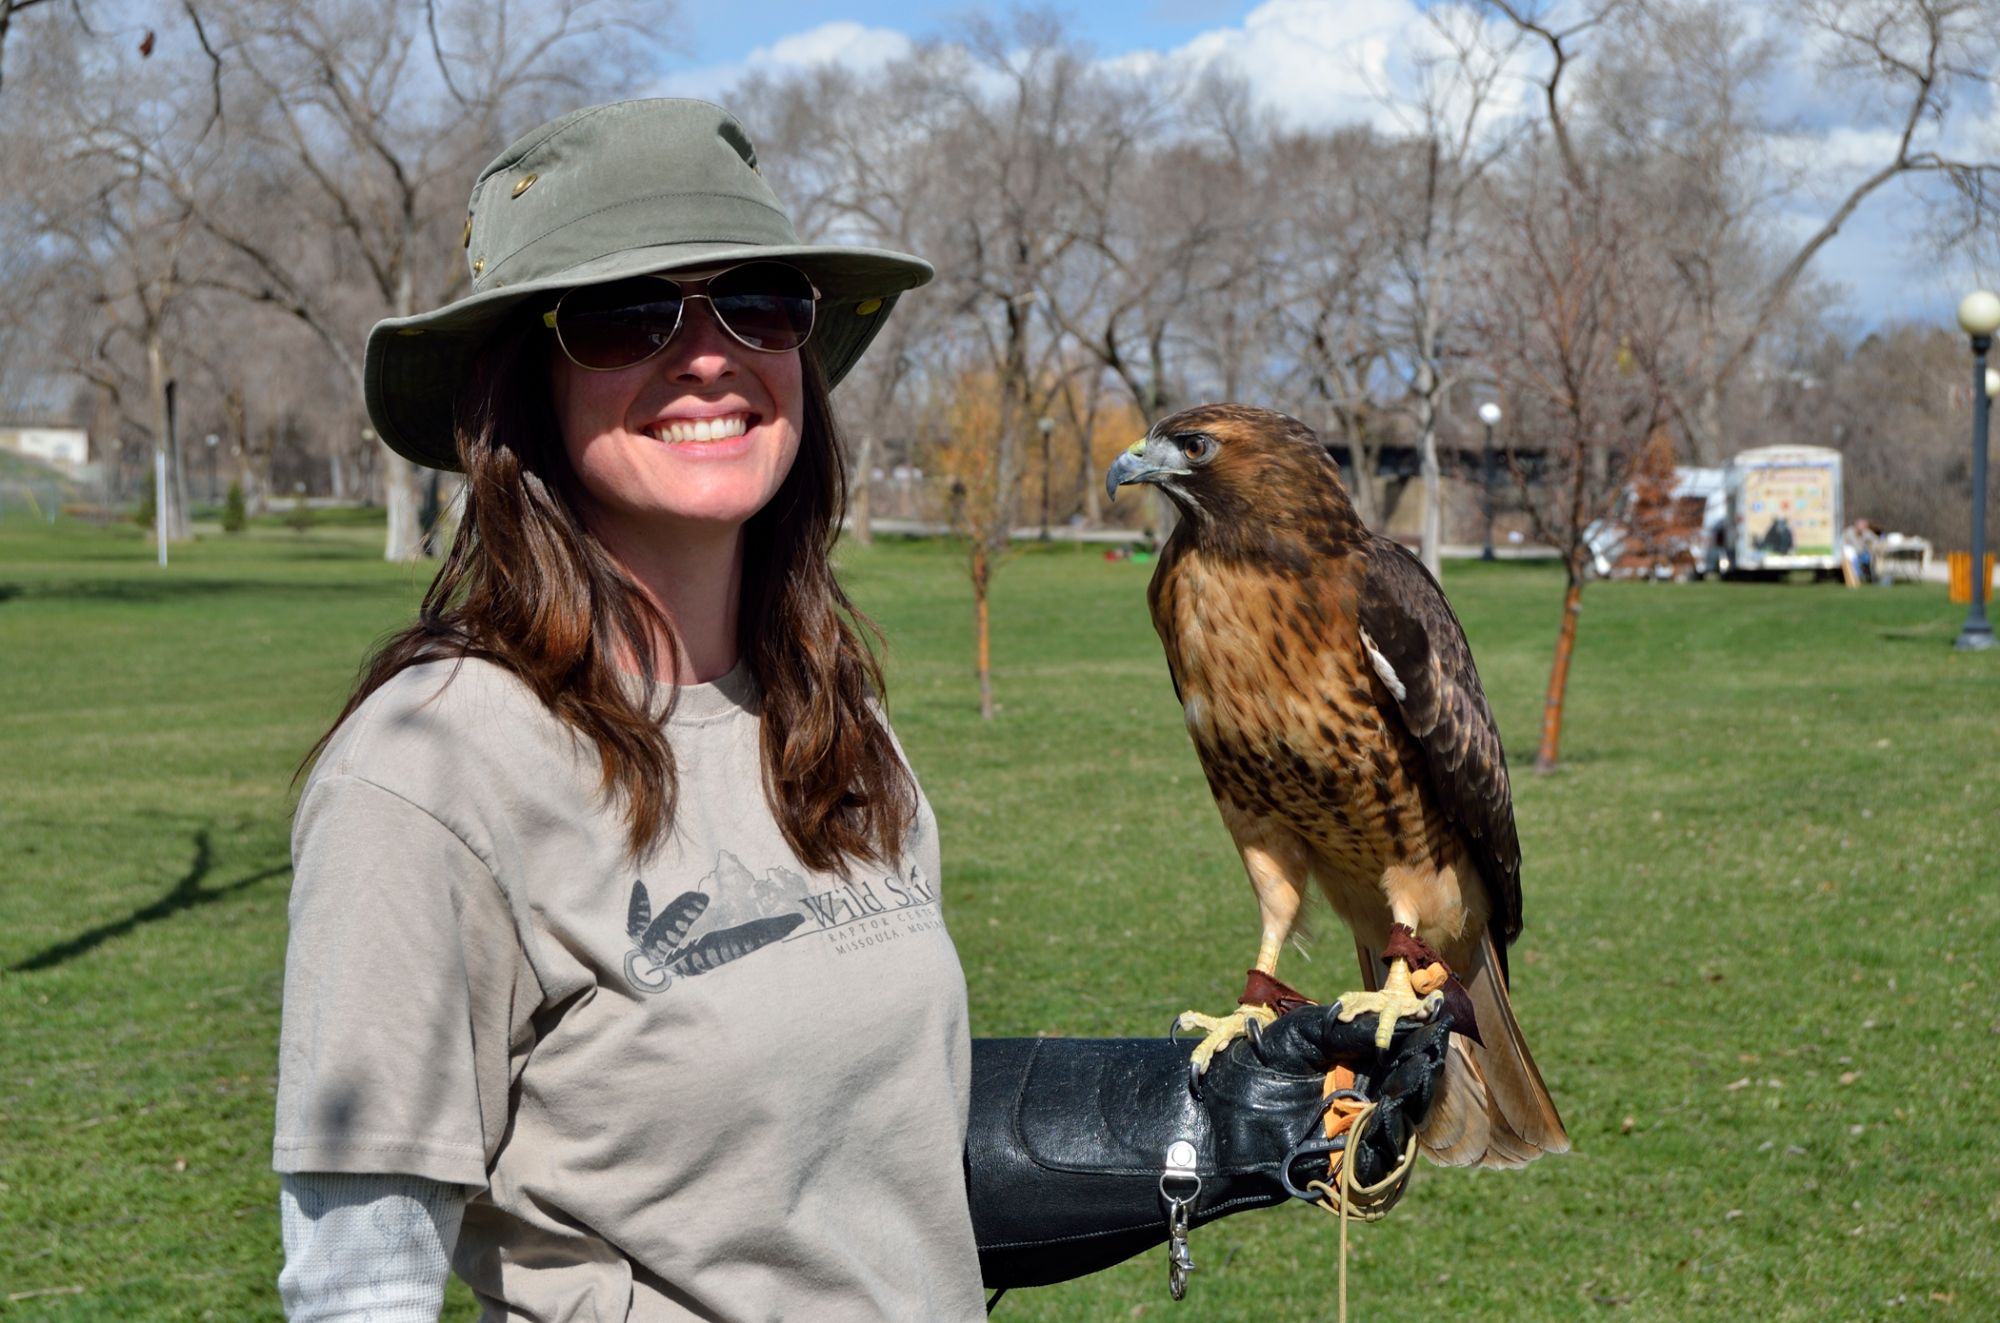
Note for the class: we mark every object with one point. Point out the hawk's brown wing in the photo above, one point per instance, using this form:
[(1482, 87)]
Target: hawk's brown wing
[(1442, 705), (1158, 588)]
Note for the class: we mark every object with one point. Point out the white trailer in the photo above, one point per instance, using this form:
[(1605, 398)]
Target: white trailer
[(1782, 509)]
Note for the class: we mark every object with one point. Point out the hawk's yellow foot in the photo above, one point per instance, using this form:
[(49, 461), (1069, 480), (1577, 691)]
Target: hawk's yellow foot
[(1397, 1000), (1219, 1031)]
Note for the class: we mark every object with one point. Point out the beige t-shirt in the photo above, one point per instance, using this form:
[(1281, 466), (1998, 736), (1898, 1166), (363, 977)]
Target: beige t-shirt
[(712, 1086)]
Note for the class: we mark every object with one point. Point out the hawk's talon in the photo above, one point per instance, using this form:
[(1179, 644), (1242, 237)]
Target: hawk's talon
[(1396, 1001), (1390, 1009), (1222, 1030)]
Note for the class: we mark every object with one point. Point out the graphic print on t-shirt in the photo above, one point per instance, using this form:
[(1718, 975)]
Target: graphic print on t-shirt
[(658, 942), (739, 913)]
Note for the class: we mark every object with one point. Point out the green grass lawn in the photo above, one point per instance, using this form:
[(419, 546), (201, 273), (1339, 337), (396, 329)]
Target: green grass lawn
[(1761, 905)]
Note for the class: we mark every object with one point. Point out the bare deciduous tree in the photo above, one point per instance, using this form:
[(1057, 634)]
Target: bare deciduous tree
[(351, 133), (1426, 218), (1573, 340), (109, 237), (1905, 64)]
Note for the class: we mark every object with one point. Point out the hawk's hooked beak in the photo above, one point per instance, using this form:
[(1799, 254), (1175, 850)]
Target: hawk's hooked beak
[(1151, 459)]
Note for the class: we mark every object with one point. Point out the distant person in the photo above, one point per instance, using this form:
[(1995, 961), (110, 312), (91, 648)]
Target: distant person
[(1858, 542), (617, 976)]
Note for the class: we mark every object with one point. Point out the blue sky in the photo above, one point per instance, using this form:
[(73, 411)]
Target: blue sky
[(1112, 27), (1320, 61)]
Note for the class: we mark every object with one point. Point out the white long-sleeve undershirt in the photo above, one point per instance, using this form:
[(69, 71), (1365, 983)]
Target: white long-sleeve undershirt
[(366, 1247)]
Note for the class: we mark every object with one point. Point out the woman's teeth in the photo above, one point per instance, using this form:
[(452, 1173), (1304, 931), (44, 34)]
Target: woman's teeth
[(704, 429)]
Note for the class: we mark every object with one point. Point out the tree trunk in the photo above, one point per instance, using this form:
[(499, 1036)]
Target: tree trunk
[(401, 490), (861, 504), (1432, 529), (1705, 437), (182, 526), (1089, 483), (1046, 464), (177, 471), (173, 515), (401, 494), (1552, 706), (1362, 486), (982, 572), (1015, 391), (450, 516), (236, 413)]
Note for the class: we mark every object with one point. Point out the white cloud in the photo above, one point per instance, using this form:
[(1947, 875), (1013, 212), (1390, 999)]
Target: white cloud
[(1882, 257), (1317, 63), (846, 44), (1312, 62)]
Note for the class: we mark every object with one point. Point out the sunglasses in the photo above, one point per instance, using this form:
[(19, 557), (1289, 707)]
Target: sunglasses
[(764, 306)]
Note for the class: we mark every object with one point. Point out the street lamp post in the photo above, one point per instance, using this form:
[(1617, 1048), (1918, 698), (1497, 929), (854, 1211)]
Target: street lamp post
[(1047, 427), (214, 495), (1489, 413), (1979, 315)]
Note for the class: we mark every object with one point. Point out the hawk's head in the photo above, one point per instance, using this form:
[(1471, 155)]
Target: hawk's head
[(1231, 466)]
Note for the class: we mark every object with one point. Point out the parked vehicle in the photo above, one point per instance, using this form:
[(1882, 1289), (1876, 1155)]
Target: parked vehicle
[(1781, 509), (1766, 511), (1662, 529)]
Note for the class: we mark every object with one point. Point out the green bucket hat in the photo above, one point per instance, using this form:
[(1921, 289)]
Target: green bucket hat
[(598, 195)]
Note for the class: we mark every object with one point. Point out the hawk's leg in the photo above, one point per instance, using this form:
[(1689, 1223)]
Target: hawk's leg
[(1404, 996), (1272, 870)]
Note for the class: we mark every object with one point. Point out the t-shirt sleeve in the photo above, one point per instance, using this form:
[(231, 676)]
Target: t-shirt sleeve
[(405, 986)]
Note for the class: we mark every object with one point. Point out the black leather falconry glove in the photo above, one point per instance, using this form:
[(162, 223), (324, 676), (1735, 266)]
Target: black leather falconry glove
[(1069, 1138)]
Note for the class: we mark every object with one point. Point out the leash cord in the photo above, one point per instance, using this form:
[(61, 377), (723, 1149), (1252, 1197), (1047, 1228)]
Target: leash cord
[(1369, 1203)]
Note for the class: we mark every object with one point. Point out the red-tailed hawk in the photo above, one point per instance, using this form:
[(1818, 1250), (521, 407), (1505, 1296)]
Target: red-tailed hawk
[(1332, 699)]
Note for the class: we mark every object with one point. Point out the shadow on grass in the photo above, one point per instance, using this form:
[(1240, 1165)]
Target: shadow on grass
[(127, 590), (1928, 632), (154, 592), (187, 894)]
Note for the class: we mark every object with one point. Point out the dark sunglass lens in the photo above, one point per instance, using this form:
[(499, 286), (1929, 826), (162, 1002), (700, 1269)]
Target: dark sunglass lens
[(617, 325), (767, 305)]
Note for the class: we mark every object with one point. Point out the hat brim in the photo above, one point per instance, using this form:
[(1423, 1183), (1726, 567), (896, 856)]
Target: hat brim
[(415, 365)]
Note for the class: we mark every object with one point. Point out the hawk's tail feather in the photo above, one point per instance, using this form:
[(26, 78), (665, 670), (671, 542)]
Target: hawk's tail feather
[(1459, 1129), (1491, 1109), (1525, 1123)]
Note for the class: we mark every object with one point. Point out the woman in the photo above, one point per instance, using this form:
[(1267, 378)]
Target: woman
[(616, 975)]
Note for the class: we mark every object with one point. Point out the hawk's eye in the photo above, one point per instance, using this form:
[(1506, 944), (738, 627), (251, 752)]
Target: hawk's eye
[(1197, 446)]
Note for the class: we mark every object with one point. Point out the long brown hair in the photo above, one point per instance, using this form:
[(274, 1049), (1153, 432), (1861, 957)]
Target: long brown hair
[(527, 587)]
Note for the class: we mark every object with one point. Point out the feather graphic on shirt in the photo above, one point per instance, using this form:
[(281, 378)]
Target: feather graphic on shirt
[(719, 948), (671, 928), (659, 937), (641, 912)]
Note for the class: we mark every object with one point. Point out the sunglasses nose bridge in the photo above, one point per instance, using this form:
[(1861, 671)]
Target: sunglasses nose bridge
[(715, 318), (683, 324)]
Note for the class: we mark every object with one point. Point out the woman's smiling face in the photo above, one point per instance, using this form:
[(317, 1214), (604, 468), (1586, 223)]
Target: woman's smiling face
[(694, 440)]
